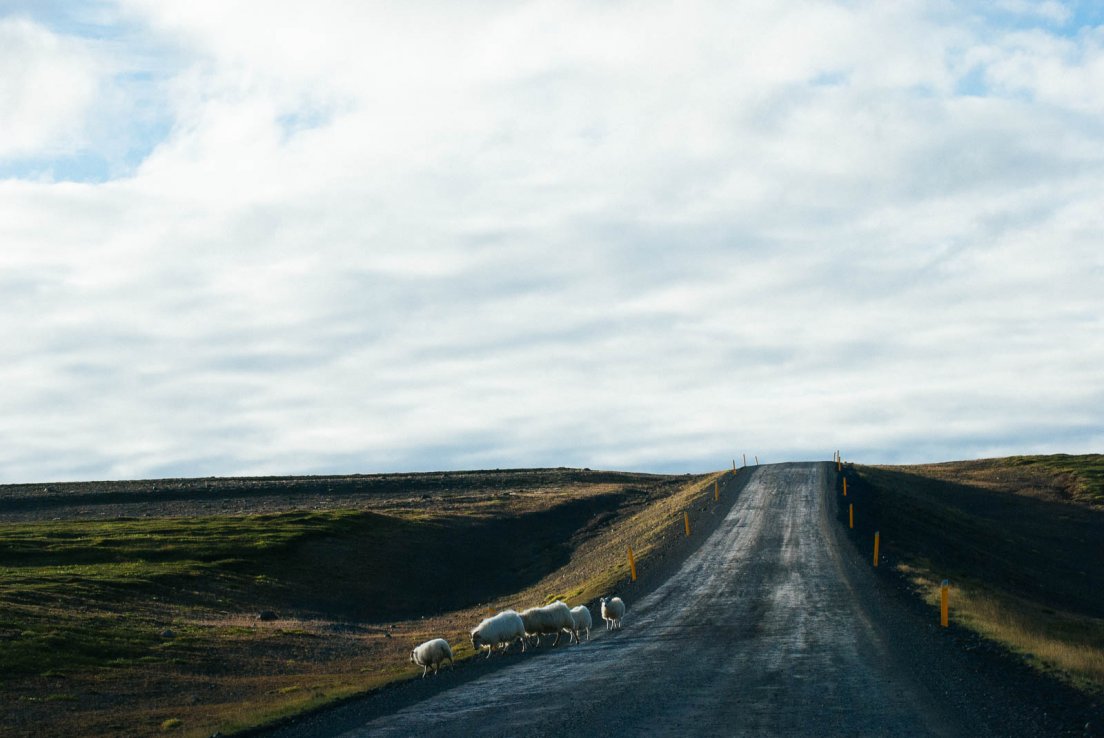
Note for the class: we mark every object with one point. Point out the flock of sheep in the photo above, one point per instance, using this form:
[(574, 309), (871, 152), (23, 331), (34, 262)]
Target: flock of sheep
[(509, 627)]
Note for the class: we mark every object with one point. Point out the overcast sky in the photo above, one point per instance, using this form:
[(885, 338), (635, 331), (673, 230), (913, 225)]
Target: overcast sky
[(290, 238)]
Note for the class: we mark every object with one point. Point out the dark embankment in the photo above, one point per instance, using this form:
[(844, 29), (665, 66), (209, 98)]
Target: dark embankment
[(1023, 554)]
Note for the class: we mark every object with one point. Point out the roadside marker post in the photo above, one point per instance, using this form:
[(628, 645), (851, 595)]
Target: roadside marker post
[(716, 490), (877, 540), (686, 520), (839, 463), (734, 466), (757, 461), (845, 486), (851, 513), (632, 564), (944, 609), (745, 459)]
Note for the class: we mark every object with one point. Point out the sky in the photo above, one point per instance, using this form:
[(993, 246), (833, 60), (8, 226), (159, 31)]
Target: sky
[(245, 238)]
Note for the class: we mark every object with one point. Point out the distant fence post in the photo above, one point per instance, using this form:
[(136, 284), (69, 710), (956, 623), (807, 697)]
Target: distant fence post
[(757, 461), (686, 521), (632, 564), (745, 459), (944, 605), (877, 540)]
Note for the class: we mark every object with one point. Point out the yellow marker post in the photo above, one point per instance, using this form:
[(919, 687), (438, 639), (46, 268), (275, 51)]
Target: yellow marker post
[(851, 512), (943, 604), (845, 486), (686, 520), (877, 540), (716, 490), (632, 564), (839, 464)]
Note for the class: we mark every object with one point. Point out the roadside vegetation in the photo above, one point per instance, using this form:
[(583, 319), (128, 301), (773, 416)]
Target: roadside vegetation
[(1021, 539), (149, 626)]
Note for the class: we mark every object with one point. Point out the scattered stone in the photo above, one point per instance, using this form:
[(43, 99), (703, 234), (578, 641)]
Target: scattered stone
[(168, 633), (267, 615)]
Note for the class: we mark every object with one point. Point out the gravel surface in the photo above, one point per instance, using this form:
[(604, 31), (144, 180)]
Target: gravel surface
[(772, 627)]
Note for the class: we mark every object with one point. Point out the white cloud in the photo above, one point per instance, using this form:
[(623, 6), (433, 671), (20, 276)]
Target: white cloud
[(1050, 10), (430, 236), (48, 83), (1063, 72)]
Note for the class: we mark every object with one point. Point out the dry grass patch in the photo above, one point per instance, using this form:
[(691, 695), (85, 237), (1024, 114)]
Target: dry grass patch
[(1066, 644)]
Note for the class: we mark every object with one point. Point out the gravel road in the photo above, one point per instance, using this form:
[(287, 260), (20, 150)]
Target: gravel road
[(759, 633), (767, 629)]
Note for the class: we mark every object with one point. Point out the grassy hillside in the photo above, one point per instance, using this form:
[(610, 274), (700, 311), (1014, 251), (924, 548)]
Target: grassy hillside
[(143, 625), (1059, 477), (1021, 539)]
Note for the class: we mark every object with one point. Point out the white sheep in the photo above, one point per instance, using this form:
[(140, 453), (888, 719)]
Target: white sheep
[(432, 653), (613, 609), (555, 618), (532, 620), (499, 630), (582, 621)]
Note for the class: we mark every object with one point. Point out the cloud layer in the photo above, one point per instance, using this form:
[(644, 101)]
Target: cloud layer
[(424, 236)]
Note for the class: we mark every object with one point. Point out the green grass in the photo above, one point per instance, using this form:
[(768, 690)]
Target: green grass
[(86, 601), (78, 595), (1087, 471)]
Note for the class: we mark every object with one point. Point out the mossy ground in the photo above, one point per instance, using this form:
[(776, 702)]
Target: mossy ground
[(147, 626)]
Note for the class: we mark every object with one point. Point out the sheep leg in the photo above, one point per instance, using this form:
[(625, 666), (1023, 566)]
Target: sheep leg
[(425, 668), (558, 634)]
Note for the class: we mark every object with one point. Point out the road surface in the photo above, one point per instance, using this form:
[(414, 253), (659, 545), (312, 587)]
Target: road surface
[(767, 629)]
